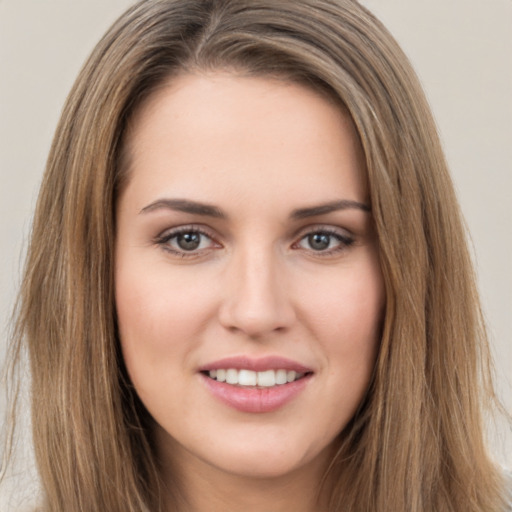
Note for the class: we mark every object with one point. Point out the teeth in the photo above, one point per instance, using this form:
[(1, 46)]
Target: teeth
[(291, 376), (247, 378), (281, 377), (231, 376), (266, 379)]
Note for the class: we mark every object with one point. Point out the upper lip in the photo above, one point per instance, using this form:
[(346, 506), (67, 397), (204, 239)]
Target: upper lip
[(256, 364)]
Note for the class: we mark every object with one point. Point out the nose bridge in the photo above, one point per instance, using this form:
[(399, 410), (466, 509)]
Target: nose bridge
[(256, 299)]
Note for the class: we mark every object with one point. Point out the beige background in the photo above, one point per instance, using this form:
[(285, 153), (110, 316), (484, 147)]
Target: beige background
[(461, 50)]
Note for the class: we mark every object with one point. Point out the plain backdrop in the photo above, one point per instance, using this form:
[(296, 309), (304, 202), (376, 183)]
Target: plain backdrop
[(460, 48)]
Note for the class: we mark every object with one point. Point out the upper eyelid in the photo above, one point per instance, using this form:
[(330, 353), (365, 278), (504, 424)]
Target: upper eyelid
[(168, 233), (328, 228), (163, 241), (203, 229), (194, 228), (344, 235)]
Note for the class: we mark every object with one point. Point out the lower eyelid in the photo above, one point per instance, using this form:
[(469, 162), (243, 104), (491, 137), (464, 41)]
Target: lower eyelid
[(164, 241), (344, 241)]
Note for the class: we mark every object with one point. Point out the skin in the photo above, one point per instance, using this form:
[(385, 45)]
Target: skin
[(257, 150)]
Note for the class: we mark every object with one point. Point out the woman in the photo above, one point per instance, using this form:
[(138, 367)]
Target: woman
[(248, 285)]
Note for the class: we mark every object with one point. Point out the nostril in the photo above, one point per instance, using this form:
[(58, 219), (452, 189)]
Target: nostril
[(257, 319)]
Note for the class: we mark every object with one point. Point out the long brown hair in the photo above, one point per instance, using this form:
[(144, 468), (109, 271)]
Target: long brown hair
[(417, 443)]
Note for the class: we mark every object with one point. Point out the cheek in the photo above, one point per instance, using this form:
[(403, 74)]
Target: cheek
[(349, 307), (151, 302), (346, 316), (141, 313), (158, 325)]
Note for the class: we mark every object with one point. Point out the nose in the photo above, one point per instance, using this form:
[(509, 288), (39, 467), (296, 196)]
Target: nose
[(256, 300)]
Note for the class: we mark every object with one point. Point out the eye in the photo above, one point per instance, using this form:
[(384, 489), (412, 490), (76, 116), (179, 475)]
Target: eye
[(325, 241), (186, 241), (189, 241)]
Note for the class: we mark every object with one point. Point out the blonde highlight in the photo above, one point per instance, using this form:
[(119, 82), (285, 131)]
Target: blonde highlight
[(417, 443)]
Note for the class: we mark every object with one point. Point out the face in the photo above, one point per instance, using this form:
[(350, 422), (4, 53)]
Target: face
[(248, 288)]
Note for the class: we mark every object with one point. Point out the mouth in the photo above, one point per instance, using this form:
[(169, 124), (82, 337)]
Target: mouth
[(246, 378), (256, 385), (259, 385)]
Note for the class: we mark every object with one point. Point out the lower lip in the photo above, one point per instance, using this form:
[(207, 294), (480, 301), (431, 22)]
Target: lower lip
[(256, 400)]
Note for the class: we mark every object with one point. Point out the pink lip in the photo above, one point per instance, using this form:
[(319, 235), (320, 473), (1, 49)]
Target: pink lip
[(256, 400), (256, 365)]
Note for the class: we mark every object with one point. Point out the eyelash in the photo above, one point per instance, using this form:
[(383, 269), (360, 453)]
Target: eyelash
[(164, 239), (345, 241)]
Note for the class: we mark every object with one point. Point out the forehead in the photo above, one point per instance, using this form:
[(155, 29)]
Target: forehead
[(225, 133)]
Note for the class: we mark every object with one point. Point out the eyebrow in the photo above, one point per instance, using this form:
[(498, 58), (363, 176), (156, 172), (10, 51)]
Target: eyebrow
[(196, 208), (184, 205), (344, 204)]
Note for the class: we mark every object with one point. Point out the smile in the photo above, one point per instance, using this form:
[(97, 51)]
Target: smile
[(250, 378), (261, 385)]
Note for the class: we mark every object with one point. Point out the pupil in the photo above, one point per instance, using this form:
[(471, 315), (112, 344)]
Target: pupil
[(319, 241), (189, 241)]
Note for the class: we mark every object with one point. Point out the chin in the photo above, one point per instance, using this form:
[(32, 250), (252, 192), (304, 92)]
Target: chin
[(265, 460)]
